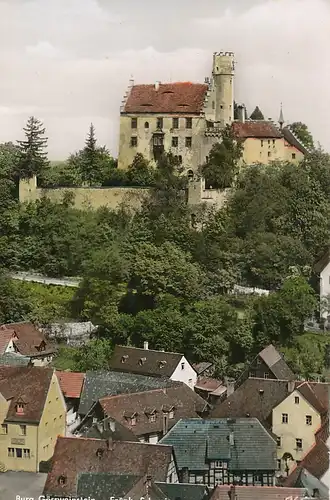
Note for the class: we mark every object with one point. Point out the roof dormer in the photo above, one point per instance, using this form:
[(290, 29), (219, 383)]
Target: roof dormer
[(162, 364), (142, 361), (124, 358), (20, 407)]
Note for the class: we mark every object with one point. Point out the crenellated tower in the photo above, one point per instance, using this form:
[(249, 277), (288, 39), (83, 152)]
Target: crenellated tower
[(223, 72)]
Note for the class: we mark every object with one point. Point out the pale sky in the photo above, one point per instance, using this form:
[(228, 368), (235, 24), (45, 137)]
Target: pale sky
[(68, 62)]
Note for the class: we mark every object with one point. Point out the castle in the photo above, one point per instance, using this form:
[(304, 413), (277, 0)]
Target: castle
[(187, 119)]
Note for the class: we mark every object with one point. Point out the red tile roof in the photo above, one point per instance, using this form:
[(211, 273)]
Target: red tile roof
[(27, 384), (316, 462), (208, 384), (256, 129), (5, 337), (73, 456), (258, 493), (29, 339), (71, 383), (177, 98)]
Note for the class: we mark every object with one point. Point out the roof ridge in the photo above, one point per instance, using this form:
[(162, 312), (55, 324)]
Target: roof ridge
[(150, 350), (141, 392)]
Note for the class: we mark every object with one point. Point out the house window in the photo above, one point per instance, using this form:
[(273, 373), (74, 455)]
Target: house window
[(175, 142), (266, 375), (134, 123), (188, 142), (213, 105), (11, 452), (262, 143), (268, 141), (182, 366), (279, 442), (26, 453), (20, 409), (19, 453), (308, 419), (160, 123), (279, 465), (285, 418), (296, 400), (188, 122), (4, 429), (273, 142), (171, 414), (22, 430), (152, 418), (133, 141), (146, 125), (299, 444), (175, 123), (293, 156)]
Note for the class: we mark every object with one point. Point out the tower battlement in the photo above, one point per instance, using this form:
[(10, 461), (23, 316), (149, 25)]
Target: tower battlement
[(224, 54)]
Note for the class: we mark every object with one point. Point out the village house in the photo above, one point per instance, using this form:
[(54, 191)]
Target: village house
[(235, 492), (153, 364), (223, 451), (290, 410), (150, 414), (99, 384), (32, 415), (27, 340), (75, 456), (71, 384)]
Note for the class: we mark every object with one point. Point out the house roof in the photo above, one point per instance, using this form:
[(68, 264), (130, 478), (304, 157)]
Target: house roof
[(258, 493), (185, 403), (196, 440), (322, 262), (293, 140), (316, 462), (73, 456), (309, 482), (275, 362), (29, 338), (177, 98), (321, 389), (209, 384), (202, 367), (256, 129), (108, 428), (5, 338), (99, 484), (184, 491), (257, 397), (100, 384), (144, 361), (14, 359), (30, 384), (71, 383)]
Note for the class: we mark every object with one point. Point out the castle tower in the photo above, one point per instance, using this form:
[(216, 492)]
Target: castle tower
[(223, 80)]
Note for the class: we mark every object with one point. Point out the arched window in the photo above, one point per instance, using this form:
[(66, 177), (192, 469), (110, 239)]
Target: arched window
[(146, 125), (190, 175)]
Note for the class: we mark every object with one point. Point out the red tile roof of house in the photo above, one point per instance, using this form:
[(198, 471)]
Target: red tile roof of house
[(256, 129), (73, 456), (316, 462), (71, 383), (29, 339), (258, 493), (177, 98), (28, 385), (5, 337)]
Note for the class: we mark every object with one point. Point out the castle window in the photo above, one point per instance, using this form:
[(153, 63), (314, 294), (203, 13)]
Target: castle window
[(175, 142), (190, 174), (134, 123), (160, 123), (221, 106), (293, 156), (269, 154), (133, 141), (175, 123), (146, 125), (213, 105), (262, 143), (188, 142), (188, 122)]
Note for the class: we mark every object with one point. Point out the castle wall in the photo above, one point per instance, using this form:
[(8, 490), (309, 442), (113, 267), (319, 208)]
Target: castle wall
[(85, 197), (267, 150)]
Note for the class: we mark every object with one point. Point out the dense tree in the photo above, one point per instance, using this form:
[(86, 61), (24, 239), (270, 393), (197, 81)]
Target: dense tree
[(140, 172), (32, 158), (222, 165), (302, 132), (257, 114)]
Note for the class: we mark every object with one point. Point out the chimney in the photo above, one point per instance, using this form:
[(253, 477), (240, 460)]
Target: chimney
[(230, 384), (241, 113), (157, 85), (291, 386), (109, 444), (145, 346)]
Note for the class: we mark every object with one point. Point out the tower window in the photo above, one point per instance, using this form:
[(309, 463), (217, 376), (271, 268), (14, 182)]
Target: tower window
[(293, 156), (134, 123), (146, 125), (188, 122), (175, 142), (188, 142), (175, 123), (133, 142), (221, 106), (213, 105), (160, 122), (262, 143)]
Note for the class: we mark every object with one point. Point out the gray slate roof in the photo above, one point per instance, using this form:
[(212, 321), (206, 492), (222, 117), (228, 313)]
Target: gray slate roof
[(14, 359), (276, 363), (102, 485), (144, 361), (184, 491), (195, 441), (101, 383)]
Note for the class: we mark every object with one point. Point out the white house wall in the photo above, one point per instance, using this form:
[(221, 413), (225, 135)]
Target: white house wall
[(184, 372)]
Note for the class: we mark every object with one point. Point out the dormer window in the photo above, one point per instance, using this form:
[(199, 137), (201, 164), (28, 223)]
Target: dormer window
[(152, 417), (61, 480), (171, 414), (162, 364), (99, 452), (133, 420), (142, 361), (124, 359), (19, 408)]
